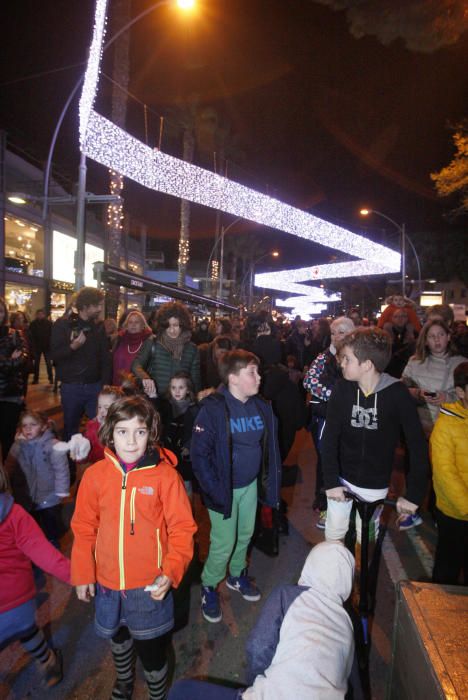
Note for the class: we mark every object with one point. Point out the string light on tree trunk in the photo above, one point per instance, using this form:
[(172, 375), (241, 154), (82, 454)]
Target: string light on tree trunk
[(115, 212), (184, 252)]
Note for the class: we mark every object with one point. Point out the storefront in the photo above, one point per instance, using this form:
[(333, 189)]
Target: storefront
[(63, 258), (61, 294), (24, 247), (24, 297)]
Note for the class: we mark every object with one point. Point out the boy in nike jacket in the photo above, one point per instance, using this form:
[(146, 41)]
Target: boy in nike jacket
[(366, 411), (235, 457)]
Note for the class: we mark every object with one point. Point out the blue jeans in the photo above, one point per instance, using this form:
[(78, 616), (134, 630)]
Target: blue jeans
[(15, 622), (78, 399), (201, 690)]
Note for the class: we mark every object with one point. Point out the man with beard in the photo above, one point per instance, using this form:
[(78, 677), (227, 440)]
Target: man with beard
[(80, 350)]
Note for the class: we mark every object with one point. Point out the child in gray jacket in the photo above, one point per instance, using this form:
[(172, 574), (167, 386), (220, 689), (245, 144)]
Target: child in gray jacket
[(39, 474)]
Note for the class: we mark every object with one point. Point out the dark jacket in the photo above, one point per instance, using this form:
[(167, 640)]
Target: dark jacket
[(91, 363), (40, 331), (287, 403), (211, 454), (208, 368), (361, 434), (295, 345), (11, 371), (176, 433), (156, 363), (268, 349)]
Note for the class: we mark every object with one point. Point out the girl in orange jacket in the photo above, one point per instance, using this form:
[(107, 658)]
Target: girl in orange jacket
[(133, 530)]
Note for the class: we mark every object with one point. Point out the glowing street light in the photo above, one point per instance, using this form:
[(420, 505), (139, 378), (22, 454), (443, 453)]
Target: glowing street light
[(251, 270), (403, 237), (186, 4), (16, 199)]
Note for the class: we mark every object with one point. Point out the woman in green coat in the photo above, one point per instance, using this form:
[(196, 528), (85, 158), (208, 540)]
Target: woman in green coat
[(168, 351)]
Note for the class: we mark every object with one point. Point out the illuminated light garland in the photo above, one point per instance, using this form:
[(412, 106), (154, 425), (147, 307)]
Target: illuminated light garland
[(90, 84), (184, 252), (318, 296), (305, 311), (214, 270), (111, 146), (115, 211)]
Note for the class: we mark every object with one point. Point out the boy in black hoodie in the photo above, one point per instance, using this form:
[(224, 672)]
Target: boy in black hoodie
[(366, 411)]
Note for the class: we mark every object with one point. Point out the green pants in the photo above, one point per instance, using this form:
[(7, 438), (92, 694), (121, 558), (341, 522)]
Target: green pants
[(230, 538)]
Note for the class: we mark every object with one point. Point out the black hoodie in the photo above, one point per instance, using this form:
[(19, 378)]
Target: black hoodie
[(361, 434)]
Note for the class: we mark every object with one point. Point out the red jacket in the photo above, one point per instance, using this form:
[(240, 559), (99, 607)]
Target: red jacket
[(130, 527), (91, 432), (22, 540)]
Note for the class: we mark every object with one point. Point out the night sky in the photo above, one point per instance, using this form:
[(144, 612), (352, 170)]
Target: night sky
[(313, 115)]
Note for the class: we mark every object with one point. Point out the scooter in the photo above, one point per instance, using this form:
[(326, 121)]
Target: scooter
[(366, 594)]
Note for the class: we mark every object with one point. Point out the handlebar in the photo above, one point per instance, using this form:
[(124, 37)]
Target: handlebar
[(350, 496)]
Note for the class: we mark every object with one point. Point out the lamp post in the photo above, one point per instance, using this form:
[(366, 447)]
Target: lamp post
[(213, 250), (250, 274), (81, 192), (403, 239)]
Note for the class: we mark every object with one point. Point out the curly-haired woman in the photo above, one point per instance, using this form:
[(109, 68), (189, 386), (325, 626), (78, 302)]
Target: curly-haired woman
[(168, 351)]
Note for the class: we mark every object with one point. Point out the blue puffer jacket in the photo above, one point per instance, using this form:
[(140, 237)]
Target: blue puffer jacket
[(211, 454)]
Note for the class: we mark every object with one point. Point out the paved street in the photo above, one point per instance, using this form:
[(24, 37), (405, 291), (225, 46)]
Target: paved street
[(202, 649)]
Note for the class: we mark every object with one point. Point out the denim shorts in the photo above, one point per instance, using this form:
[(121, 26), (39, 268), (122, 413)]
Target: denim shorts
[(16, 622), (145, 618)]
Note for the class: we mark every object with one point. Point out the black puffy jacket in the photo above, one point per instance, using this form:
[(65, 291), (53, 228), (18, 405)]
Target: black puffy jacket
[(11, 371)]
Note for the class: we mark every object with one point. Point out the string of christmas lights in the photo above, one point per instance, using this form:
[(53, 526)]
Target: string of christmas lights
[(115, 212), (184, 252), (90, 83), (111, 146)]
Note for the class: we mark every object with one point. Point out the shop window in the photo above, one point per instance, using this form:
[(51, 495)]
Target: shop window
[(24, 297), (63, 259), (24, 247)]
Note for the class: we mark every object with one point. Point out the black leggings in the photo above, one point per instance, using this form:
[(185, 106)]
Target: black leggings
[(151, 652), (451, 557)]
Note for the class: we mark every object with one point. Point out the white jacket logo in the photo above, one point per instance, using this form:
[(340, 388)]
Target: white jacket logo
[(364, 418)]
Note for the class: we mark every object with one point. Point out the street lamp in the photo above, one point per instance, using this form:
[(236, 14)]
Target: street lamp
[(403, 238), (220, 239), (250, 274), (81, 191)]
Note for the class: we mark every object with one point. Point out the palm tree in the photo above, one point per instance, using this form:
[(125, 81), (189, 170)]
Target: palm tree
[(121, 15)]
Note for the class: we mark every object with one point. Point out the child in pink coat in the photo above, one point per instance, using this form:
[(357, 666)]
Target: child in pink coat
[(22, 541)]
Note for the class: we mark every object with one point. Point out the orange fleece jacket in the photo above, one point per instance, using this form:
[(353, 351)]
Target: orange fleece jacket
[(131, 527)]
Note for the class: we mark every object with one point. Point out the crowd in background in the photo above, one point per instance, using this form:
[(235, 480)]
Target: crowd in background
[(175, 362)]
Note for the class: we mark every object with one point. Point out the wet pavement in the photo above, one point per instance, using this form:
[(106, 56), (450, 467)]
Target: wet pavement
[(201, 649)]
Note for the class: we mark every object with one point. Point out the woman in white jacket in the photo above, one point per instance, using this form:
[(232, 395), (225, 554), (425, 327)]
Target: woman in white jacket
[(429, 373)]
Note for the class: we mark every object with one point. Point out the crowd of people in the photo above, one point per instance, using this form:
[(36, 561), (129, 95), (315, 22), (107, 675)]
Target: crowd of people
[(159, 407)]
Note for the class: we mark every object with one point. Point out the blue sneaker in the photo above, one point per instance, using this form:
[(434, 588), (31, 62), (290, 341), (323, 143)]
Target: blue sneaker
[(244, 585), (210, 607), (406, 522)]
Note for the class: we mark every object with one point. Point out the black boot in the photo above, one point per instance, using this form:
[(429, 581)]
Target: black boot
[(124, 660)]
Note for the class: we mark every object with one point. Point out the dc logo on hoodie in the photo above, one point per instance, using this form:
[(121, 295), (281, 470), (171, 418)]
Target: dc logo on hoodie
[(364, 418)]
